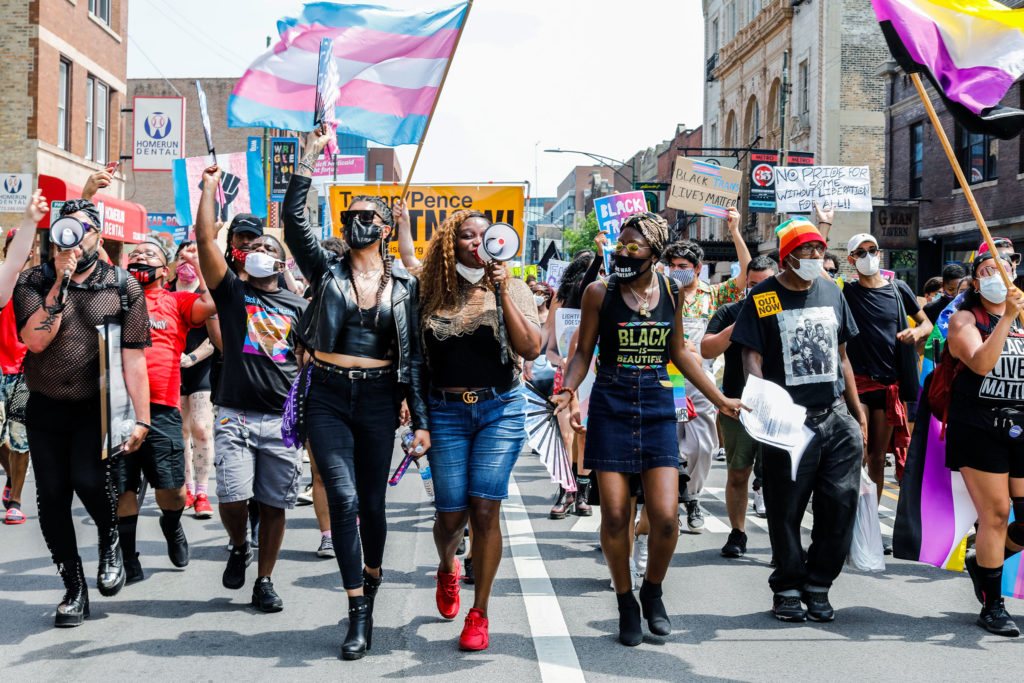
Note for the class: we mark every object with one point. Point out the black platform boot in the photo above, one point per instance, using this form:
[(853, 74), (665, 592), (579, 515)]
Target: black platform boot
[(110, 576), (583, 508), (371, 584), (360, 628), (654, 609), (74, 608)]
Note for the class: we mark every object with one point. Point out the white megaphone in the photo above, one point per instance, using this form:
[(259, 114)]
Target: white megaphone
[(500, 243), (67, 232)]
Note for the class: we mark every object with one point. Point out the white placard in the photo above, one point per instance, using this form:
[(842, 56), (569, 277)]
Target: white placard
[(15, 191), (159, 136), (566, 324), (843, 188), (555, 270)]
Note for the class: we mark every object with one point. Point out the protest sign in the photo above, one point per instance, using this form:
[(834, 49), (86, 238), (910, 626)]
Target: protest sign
[(843, 188), (242, 181), (702, 188), (159, 132), (567, 321), (429, 205), (615, 208), (166, 224), (762, 176), (15, 191), (555, 270), (284, 154)]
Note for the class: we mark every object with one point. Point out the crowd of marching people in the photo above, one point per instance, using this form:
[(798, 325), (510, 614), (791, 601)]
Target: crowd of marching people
[(237, 369)]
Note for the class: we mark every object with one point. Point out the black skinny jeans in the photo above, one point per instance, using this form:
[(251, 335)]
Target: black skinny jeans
[(351, 431), (65, 441), (830, 469)]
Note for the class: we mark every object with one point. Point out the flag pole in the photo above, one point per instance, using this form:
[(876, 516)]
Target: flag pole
[(444, 77), (916, 78)]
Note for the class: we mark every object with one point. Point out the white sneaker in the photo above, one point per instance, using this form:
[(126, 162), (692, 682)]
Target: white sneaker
[(638, 575), (640, 552), (759, 504), (720, 455), (306, 497)]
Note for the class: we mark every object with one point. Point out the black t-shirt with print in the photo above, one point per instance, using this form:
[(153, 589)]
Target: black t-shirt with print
[(258, 335), (873, 352), (732, 376), (798, 334)]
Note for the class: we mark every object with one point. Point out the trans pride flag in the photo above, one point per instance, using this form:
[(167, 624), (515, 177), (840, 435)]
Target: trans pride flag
[(390, 64), (971, 50)]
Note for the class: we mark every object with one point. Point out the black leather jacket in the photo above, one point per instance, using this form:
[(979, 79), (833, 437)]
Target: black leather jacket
[(328, 275)]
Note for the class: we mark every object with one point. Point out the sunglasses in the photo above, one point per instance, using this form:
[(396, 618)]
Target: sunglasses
[(631, 247), (363, 216), (860, 253), (832, 272), (989, 271)]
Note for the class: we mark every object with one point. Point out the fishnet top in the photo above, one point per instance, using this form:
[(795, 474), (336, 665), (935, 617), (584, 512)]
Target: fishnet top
[(69, 368)]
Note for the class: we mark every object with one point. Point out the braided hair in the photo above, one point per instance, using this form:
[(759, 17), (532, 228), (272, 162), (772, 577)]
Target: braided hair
[(439, 281), (382, 208)]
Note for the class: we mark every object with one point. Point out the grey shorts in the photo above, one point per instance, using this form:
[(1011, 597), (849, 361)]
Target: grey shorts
[(252, 460)]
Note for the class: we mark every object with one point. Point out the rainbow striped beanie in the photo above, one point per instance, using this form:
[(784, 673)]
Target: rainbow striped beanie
[(795, 232)]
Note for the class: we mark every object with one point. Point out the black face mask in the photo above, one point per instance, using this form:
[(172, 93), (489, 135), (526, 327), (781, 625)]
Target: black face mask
[(87, 260), (360, 235), (628, 268), (144, 272)]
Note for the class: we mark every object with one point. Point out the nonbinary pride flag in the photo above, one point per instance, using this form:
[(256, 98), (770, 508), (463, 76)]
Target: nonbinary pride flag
[(971, 50), (390, 64)]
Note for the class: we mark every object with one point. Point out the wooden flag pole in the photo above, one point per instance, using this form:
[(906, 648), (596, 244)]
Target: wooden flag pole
[(916, 78), (444, 77)]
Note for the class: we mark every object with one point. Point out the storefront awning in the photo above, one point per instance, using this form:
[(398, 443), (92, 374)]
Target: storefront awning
[(123, 221)]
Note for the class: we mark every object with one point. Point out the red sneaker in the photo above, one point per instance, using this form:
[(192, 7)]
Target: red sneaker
[(190, 499), (448, 592), (203, 508), (474, 633)]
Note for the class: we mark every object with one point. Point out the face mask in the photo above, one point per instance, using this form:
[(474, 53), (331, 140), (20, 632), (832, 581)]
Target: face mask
[(993, 289), (683, 277), (260, 264), (87, 260), (187, 273), (144, 272), (809, 268), (868, 264), (628, 268), (238, 255), (471, 275), (361, 235), (539, 300)]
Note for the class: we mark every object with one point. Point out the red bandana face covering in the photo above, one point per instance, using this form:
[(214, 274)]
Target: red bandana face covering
[(239, 255)]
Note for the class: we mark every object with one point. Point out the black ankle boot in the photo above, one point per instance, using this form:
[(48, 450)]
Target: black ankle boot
[(177, 544), (360, 628), (74, 608), (111, 576), (371, 584), (629, 619), (654, 609)]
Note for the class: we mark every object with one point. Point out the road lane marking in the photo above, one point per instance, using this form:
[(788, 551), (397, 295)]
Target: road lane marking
[(556, 655)]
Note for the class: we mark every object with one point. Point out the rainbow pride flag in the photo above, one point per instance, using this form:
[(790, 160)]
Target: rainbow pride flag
[(390, 63), (678, 389)]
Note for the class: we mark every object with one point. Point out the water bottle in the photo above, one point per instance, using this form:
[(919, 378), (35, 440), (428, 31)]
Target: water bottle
[(428, 483)]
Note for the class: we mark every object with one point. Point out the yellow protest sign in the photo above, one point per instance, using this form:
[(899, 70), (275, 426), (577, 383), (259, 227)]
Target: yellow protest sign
[(429, 205)]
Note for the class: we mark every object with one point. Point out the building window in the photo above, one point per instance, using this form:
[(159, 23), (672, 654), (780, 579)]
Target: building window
[(916, 158), (714, 134), (714, 35), (101, 10), (64, 85), (805, 101), (755, 7), (378, 172), (730, 25), (97, 99), (977, 155)]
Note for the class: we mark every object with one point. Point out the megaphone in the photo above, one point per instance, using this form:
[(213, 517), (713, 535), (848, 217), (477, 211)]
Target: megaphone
[(500, 243), (67, 232)]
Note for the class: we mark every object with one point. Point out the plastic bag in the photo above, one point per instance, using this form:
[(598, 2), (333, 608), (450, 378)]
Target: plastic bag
[(866, 552)]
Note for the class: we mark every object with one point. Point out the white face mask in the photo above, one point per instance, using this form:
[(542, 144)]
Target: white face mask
[(539, 300), (472, 275), (260, 264), (868, 264), (993, 288), (809, 268)]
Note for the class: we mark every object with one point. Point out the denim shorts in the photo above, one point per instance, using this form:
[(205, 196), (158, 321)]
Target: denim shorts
[(474, 447), (631, 426)]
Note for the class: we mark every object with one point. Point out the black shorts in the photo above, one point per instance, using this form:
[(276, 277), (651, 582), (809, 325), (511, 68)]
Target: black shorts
[(196, 378), (975, 446), (874, 400), (161, 457)]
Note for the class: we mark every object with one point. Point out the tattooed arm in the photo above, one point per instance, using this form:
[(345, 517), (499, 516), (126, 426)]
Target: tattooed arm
[(42, 326)]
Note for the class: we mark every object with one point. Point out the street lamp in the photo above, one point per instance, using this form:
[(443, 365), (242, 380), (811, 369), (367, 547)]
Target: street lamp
[(601, 159)]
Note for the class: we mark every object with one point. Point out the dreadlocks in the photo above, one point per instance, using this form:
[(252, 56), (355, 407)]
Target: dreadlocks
[(439, 281)]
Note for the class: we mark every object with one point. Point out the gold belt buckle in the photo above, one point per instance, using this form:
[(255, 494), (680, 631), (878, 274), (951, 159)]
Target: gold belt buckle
[(470, 397)]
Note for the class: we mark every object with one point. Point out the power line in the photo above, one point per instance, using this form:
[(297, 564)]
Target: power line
[(206, 44), (139, 48), (199, 29)]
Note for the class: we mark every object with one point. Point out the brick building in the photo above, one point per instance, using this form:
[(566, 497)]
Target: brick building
[(576, 193), (64, 83), (835, 109)]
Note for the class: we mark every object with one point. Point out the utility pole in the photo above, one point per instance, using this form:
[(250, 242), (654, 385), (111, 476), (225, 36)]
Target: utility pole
[(783, 102)]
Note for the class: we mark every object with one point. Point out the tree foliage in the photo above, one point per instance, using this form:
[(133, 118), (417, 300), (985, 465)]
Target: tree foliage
[(582, 237)]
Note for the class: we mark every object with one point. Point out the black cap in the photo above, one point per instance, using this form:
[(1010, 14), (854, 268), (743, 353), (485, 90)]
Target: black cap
[(246, 222)]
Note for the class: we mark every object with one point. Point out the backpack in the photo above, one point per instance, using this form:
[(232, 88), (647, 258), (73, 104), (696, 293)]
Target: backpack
[(948, 367)]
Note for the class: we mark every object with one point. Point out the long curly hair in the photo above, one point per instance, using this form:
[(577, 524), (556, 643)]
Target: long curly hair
[(439, 281)]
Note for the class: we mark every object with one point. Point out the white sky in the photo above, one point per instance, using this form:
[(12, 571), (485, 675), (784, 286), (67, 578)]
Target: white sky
[(604, 76)]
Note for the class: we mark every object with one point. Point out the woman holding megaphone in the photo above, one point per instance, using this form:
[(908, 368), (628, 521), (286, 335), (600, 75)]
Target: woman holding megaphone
[(478, 324), (363, 331)]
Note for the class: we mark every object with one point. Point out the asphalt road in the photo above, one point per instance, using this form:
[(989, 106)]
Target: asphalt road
[(553, 616)]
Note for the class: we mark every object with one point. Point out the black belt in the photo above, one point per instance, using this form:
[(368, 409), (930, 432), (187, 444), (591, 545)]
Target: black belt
[(474, 396), (353, 373), (822, 412)]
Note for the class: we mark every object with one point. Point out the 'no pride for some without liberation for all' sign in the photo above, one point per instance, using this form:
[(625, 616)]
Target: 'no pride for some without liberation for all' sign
[(843, 188)]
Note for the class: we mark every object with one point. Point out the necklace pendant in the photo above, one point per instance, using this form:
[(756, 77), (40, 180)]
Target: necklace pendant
[(644, 313)]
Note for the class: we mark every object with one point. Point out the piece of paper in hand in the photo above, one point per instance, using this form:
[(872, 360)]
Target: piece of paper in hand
[(774, 419)]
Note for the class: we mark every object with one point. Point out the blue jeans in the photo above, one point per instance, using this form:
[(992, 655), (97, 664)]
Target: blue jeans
[(474, 447)]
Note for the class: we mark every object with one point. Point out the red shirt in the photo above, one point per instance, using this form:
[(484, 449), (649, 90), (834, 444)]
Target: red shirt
[(12, 351), (170, 319)]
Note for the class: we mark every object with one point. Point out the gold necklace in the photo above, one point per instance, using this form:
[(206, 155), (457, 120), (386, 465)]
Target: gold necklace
[(369, 274), (644, 303)]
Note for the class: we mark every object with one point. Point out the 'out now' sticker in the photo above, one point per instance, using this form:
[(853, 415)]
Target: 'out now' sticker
[(767, 304)]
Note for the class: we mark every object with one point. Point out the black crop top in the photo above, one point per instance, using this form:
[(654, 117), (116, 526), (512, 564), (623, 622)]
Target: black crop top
[(470, 360), (360, 337)]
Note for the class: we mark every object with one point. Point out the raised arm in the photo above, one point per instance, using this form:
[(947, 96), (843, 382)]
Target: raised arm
[(824, 217), (741, 248), (406, 246), (305, 246), (21, 245), (212, 264)]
